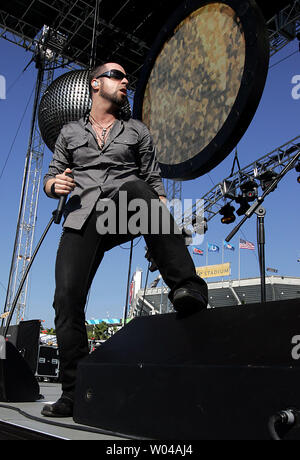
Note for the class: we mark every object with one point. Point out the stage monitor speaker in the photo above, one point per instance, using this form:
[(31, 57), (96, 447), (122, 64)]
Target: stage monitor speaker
[(218, 374), (17, 382), (25, 336)]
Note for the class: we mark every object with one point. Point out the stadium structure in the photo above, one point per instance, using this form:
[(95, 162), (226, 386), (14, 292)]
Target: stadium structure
[(224, 293), (235, 293)]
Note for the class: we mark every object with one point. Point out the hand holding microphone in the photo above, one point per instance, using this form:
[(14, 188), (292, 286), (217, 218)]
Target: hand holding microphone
[(63, 185)]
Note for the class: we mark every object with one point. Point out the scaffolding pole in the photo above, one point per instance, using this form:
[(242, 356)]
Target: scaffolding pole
[(27, 214)]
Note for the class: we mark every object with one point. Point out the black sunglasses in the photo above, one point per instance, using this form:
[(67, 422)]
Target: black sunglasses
[(114, 73)]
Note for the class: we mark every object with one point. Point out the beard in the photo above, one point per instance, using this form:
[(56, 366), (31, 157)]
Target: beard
[(115, 98)]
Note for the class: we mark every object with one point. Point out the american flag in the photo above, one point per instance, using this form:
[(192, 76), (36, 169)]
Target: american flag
[(246, 245)]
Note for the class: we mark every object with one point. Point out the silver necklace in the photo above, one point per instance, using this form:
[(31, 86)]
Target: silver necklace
[(101, 139)]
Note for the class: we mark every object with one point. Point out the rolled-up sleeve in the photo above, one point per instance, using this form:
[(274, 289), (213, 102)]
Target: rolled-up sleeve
[(59, 162), (149, 168)]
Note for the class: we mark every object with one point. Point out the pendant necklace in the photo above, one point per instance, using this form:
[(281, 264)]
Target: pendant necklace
[(101, 139)]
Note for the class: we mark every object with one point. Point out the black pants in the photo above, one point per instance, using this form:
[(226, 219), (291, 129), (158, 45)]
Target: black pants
[(78, 258)]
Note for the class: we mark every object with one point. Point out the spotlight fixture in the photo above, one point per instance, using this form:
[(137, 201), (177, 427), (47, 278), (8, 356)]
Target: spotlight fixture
[(298, 171), (250, 190), (267, 178), (228, 212), (244, 205)]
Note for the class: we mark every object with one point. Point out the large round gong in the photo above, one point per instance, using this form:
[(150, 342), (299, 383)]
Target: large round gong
[(202, 82)]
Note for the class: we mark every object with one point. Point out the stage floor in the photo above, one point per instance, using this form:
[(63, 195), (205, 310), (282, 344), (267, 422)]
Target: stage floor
[(15, 421)]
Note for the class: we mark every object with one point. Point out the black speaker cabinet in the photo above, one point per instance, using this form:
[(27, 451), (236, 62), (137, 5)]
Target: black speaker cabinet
[(17, 381), (218, 374), (26, 337)]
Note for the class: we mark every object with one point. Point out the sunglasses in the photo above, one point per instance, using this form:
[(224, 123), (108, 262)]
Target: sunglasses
[(114, 73)]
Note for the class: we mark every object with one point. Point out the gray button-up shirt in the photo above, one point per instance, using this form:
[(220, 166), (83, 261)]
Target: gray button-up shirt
[(128, 154)]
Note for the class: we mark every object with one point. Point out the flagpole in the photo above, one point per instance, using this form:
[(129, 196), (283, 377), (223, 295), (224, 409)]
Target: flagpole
[(222, 259), (239, 261), (206, 254)]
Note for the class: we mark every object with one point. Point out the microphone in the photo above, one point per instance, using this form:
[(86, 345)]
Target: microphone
[(61, 204)]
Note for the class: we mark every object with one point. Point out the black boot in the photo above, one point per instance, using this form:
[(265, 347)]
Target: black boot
[(62, 408), (187, 301)]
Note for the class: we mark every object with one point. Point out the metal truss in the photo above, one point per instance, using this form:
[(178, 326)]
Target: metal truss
[(258, 172), (75, 20), (114, 37), (284, 27), (173, 189), (46, 59), (28, 211)]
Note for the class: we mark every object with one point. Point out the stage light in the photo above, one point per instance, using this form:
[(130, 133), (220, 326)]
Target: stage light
[(228, 212), (244, 205), (298, 171), (267, 178), (250, 190)]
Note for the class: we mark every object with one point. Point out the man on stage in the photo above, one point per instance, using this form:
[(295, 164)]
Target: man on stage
[(96, 160)]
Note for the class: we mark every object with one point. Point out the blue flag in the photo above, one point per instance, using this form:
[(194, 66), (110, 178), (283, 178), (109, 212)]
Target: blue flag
[(213, 247)]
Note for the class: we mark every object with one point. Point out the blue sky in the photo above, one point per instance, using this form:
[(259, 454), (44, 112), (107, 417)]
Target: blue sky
[(275, 123)]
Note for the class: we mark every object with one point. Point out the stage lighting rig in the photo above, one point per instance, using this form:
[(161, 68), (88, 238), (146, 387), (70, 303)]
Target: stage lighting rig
[(228, 214), (298, 171), (51, 45), (266, 179), (250, 190), (228, 189), (54, 40), (244, 205)]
